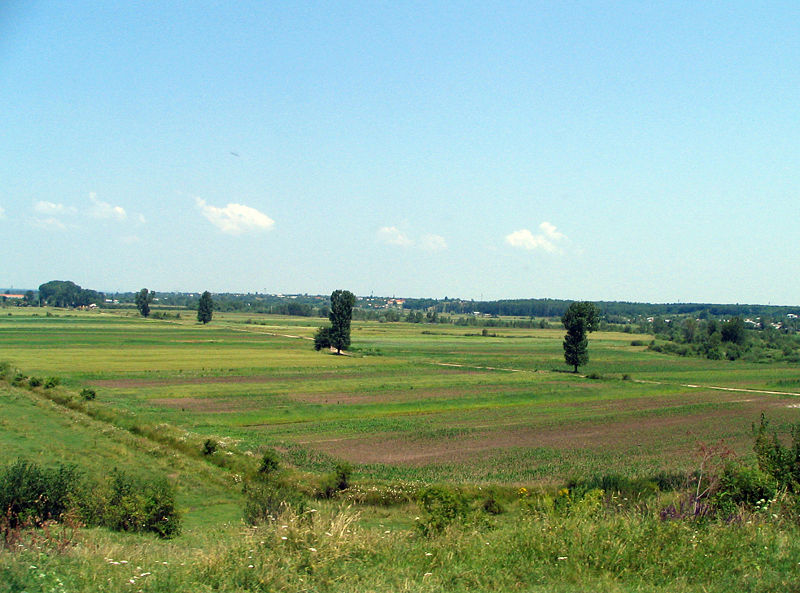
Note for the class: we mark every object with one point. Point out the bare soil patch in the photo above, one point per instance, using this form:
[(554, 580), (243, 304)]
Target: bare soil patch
[(650, 433)]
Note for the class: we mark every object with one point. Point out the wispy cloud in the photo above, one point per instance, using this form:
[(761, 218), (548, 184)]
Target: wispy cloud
[(548, 239), (52, 209), (391, 235), (51, 223), (2, 213), (433, 243), (235, 219), (104, 210)]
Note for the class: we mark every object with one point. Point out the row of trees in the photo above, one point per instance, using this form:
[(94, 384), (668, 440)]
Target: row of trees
[(205, 306)]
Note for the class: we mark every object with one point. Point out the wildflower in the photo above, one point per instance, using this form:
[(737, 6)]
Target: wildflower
[(428, 554), (562, 557), (284, 537), (249, 566), (312, 549)]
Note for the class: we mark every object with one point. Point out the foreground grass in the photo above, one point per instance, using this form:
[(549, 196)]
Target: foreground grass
[(519, 551)]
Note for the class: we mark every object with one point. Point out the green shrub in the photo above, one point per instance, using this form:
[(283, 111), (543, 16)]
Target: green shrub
[(491, 505), (741, 485), (34, 382), (209, 447), (267, 501), (270, 462), (123, 502), (32, 494), (51, 382), (775, 459), (88, 393), (442, 506), (19, 380)]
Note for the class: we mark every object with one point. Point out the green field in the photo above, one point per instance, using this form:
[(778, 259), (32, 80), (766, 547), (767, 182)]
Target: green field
[(411, 405), (411, 402)]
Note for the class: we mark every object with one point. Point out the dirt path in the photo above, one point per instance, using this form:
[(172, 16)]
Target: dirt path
[(689, 385)]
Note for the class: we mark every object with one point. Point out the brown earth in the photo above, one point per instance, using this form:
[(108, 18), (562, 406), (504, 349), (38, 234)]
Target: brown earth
[(651, 433)]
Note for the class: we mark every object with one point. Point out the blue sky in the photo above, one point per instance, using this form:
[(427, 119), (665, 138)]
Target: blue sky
[(579, 150)]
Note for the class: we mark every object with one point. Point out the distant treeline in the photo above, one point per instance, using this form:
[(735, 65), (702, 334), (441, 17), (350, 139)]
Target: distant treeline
[(612, 311), (446, 310)]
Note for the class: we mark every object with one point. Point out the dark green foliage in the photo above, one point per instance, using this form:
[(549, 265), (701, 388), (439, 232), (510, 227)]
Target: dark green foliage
[(322, 339), (270, 462), (32, 494), (342, 302), (209, 447), (777, 460), (491, 504), (51, 382), (88, 393), (34, 382), (266, 501), (342, 472), (205, 308), (733, 331), (58, 293), (341, 313), (337, 481), (741, 485), (579, 319), (143, 299), (123, 502), (442, 506)]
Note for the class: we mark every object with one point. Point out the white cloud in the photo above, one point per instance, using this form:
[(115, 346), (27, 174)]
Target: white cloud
[(547, 239), (393, 236), (2, 213), (104, 210), (235, 219), (51, 209), (50, 224), (433, 243)]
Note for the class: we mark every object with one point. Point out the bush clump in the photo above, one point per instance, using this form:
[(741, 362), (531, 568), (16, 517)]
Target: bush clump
[(32, 495), (442, 506), (124, 502), (267, 501)]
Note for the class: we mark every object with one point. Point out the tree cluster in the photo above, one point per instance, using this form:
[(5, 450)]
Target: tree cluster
[(143, 299), (337, 335), (63, 293)]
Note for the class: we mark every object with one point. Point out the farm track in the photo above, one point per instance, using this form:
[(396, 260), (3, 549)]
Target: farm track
[(645, 381)]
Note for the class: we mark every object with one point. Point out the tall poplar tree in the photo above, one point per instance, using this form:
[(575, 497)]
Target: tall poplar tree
[(579, 319), (143, 300), (338, 334), (205, 308)]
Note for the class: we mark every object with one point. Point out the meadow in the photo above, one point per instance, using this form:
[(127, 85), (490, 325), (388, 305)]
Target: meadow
[(411, 405)]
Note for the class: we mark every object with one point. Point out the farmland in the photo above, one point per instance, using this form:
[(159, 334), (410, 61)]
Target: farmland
[(410, 405)]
